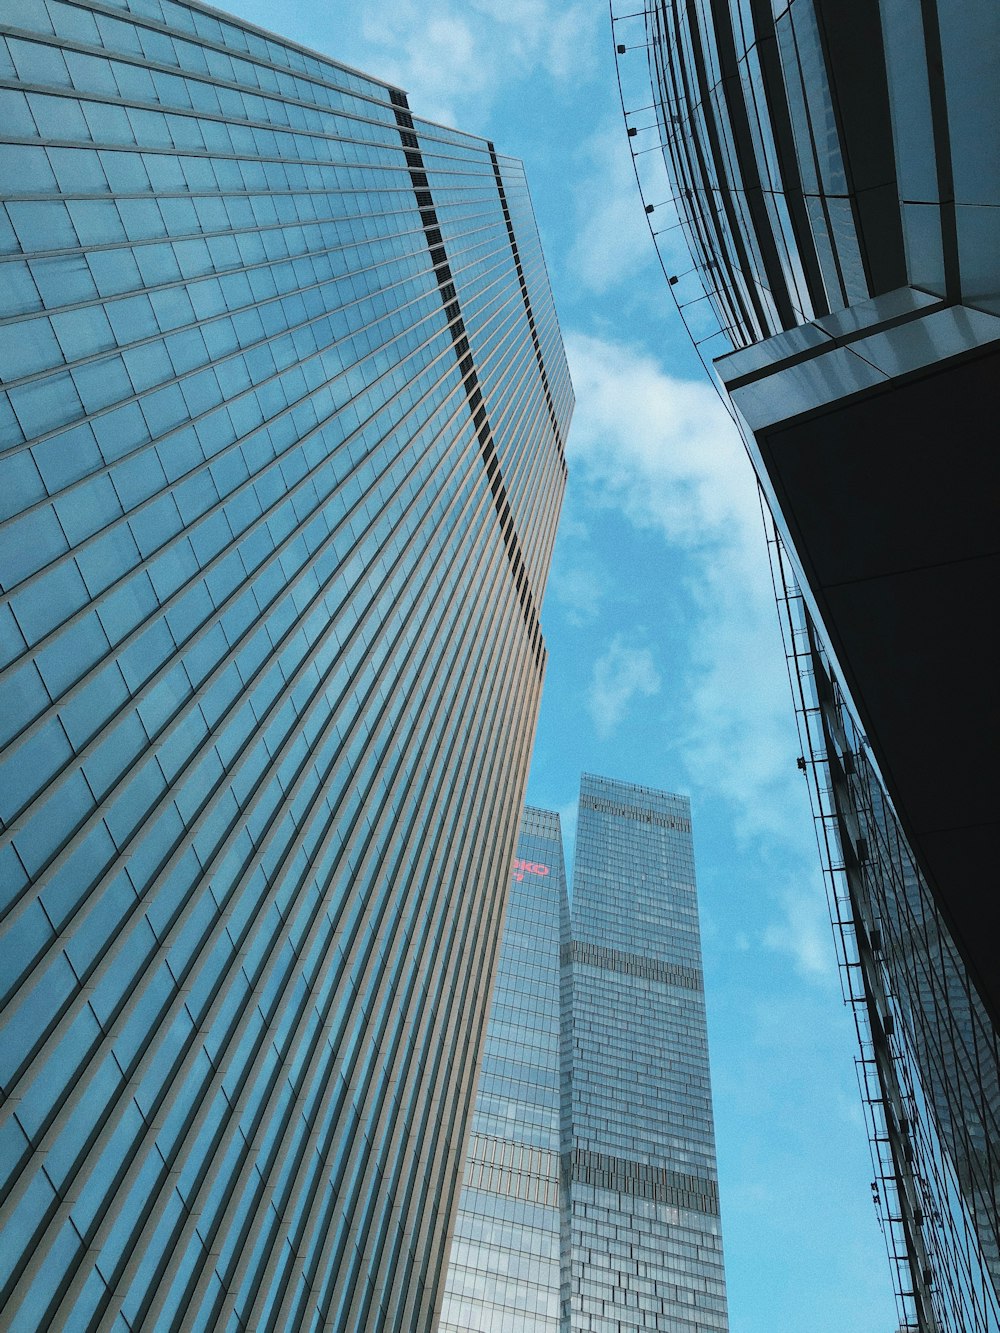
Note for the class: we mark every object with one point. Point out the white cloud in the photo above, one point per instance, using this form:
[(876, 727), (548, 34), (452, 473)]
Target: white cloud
[(454, 58), (621, 673), (664, 453), (612, 244), (580, 589), (579, 581), (803, 934), (662, 449)]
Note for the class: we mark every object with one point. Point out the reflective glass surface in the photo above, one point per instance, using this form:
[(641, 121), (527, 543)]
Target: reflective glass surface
[(788, 144), (504, 1267), (590, 1200), (642, 1245), (929, 1040), (834, 164), (282, 414)]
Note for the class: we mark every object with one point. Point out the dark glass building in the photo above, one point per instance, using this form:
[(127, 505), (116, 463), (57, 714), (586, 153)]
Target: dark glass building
[(835, 169), (590, 1200), (282, 415)]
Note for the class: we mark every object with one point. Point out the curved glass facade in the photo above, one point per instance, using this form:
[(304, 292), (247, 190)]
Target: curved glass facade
[(928, 1067), (281, 458), (823, 153), (835, 172)]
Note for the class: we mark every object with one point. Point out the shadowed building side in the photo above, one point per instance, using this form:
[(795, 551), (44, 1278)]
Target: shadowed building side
[(836, 179)]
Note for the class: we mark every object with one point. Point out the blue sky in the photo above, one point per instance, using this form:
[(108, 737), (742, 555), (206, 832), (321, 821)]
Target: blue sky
[(665, 662)]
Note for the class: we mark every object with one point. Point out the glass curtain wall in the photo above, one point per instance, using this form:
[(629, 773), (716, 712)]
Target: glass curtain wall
[(641, 1241), (282, 414), (504, 1267)]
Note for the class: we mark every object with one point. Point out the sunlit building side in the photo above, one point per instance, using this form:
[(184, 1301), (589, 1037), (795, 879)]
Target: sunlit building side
[(282, 423)]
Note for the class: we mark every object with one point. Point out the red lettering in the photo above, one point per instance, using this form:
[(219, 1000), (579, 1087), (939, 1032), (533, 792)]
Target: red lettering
[(529, 868)]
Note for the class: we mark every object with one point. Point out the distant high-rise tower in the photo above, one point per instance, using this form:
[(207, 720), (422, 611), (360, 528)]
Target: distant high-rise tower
[(590, 1198), (281, 458), (504, 1267), (642, 1242)]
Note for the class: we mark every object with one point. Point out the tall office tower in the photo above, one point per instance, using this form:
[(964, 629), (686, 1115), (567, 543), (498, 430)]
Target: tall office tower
[(642, 1246), (504, 1267), (281, 426), (836, 174), (590, 1198)]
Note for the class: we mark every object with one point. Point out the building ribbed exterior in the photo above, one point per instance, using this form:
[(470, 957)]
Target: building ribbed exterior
[(642, 1244), (281, 447), (834, 170), (504, 1267)]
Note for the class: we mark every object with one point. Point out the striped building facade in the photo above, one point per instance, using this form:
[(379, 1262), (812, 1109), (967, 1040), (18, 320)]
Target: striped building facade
[(282, 416)]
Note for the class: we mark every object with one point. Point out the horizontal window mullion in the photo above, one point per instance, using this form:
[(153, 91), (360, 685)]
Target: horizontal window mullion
[(120, 859), (420, 1063), (200, 76), (188, 706)]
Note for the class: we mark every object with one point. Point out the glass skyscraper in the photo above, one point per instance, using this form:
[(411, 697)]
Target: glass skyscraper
[(504, 1266), (833, 169), (591, 1197), (642, 1243), (282, 416)]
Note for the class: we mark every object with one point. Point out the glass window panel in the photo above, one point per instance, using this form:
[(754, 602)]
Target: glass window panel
[(118, 36), (108, 124), (114, 271), (78, 170), (20, 355), (28, 166), (83, 332), (15, 115), (69, 21), (31, 768), (63, 280), (102, 383), (180, 216), (66, 457), (119, 431), (132, 319), (20, 483), (96, 221), (142, 219), (58, 118), (164, 172), (91, 73), (45, 405), (37, 63), (157, 264), (125, 172), (147, 365), (43, 225)]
